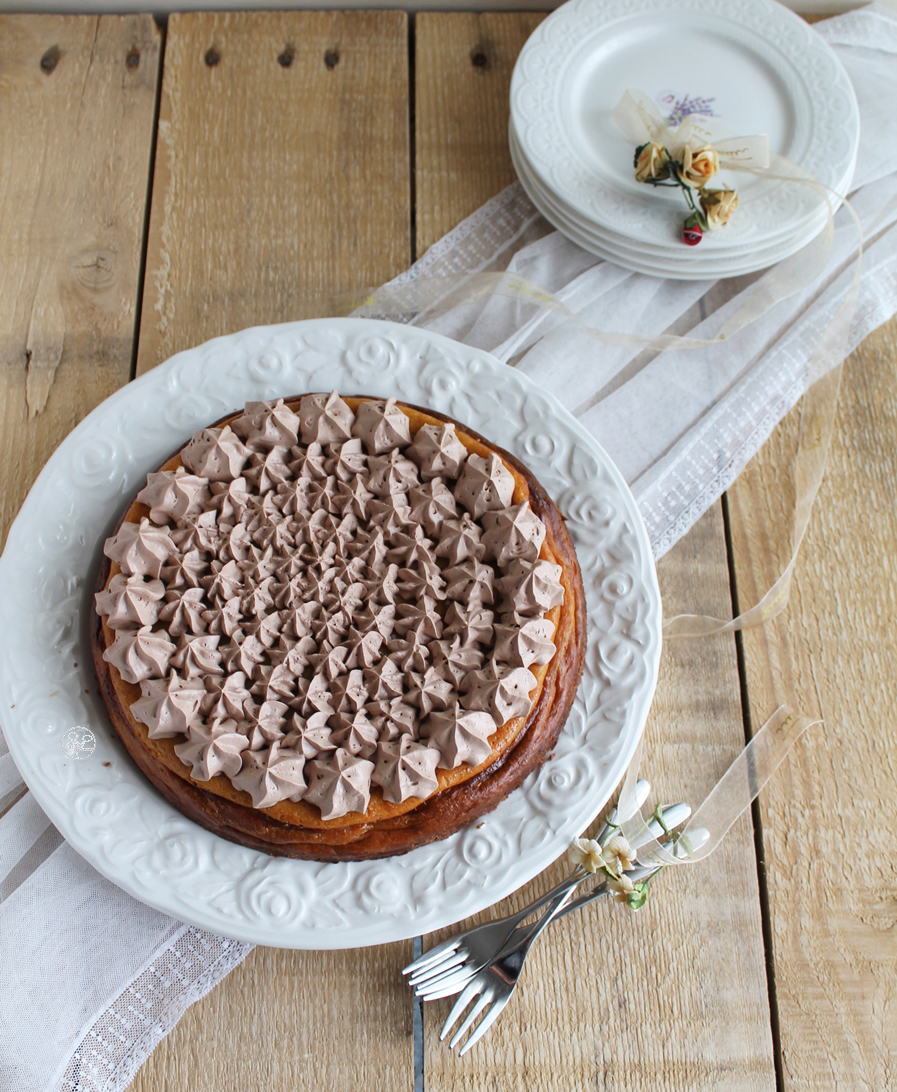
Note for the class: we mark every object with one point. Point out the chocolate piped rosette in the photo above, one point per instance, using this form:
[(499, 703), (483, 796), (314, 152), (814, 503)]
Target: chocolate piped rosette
[(339, 628)]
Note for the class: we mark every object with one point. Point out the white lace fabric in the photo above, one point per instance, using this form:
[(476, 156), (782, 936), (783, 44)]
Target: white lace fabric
[(90, 979)]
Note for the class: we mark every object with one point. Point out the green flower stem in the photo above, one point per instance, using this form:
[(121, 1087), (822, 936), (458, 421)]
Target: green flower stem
[(658, 815), (673, 180), (639, 895)]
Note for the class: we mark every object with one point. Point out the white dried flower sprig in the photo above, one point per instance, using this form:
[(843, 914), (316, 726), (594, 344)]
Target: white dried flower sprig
[(625, 891), (614, 858), (585, 853)]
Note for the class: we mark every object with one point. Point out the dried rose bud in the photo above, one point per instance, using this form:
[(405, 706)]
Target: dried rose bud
[(718, 206), (652, 163), (697, 167), (692, 230)]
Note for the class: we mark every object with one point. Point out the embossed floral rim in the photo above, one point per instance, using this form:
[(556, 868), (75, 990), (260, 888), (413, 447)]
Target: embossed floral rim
[(113, 817), (813, 83)]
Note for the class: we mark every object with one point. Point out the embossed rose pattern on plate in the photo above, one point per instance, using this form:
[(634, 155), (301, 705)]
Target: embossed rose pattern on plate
[(110, 813)]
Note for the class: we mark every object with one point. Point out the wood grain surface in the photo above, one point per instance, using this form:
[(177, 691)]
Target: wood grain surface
[(828, 816), (283, 176), (78, 97), (282, 172), (463, 66)]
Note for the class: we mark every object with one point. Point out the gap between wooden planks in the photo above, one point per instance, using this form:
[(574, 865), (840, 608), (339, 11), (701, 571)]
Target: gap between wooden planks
[(827, 817), (282, 176), (601, 977)]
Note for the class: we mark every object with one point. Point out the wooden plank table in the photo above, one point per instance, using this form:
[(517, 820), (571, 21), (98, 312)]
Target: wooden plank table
[(159, 188)]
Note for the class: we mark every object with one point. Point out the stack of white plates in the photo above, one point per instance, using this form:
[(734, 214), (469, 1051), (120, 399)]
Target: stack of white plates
[(746, 66)]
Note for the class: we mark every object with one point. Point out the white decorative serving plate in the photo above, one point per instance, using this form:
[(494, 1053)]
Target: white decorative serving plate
[(752, 66), (113, 817)]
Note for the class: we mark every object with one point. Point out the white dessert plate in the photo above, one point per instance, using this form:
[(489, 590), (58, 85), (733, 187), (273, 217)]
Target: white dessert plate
[(712, 248), (682, 263), (114, 818), (745, 66), (678, 265)]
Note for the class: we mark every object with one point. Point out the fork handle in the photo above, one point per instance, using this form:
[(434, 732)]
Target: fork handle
[(642, 789), (565, 887), (672, 815), (522, 939), (603, 889), (526, 934)]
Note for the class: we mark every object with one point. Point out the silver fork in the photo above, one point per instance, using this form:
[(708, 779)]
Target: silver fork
[(493, 985), (450, 975), (456, 959)]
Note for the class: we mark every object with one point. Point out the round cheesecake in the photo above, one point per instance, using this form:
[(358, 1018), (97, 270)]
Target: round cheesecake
[(339, 628)]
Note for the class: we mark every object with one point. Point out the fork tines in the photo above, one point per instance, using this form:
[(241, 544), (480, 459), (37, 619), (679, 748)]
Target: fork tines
[(488, 995), (432, 957)]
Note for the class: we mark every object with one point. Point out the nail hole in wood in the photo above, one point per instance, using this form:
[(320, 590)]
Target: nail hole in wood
[(212, 57), (478, 58), (50, 59), (133, 58), (331, 58), (286, 58)]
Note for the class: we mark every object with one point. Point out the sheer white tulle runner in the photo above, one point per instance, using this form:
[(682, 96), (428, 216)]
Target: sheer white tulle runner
[(681, 425)]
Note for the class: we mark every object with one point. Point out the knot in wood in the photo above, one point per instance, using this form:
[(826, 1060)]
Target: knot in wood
[(95, 269), (50, 59)]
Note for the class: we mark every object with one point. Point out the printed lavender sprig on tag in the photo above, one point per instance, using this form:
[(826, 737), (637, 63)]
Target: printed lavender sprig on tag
[(686, 106)]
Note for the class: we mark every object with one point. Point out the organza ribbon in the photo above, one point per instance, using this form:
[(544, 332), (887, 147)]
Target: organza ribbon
[(732, 795), (417, 300), (641, 122), (414, 302)]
